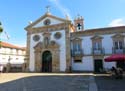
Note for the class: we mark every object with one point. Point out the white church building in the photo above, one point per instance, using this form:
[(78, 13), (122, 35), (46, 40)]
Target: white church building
[(57, 45)]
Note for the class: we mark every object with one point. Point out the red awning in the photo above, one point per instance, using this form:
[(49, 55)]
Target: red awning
[(115, 57)]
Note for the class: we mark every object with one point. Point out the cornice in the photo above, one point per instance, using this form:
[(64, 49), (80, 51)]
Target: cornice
[(99, 31), (50, 28)]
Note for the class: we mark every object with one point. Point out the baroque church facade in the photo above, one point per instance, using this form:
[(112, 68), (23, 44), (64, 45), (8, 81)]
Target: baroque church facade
[(56, 45)]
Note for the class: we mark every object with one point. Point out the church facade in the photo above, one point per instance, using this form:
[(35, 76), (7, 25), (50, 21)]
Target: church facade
[(56, 45)]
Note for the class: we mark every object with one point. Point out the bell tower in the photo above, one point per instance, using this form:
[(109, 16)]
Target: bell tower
[(78, 23)]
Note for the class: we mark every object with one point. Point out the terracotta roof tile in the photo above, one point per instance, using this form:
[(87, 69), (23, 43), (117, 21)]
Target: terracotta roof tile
[(8, 45)]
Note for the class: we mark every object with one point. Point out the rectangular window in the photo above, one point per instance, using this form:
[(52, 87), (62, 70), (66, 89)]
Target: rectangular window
[(77, 61), (79, 48), (118, 45), (97, 46), (76, 47)]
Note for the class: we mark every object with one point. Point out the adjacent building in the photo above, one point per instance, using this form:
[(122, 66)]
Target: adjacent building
[(12, 57)]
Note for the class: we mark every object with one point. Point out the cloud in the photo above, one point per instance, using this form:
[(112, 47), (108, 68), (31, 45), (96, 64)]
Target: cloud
[(65, 11), (117, 22)]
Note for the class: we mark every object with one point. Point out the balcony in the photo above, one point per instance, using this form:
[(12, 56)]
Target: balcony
[(118, 51), (77, 53), (100, 51)]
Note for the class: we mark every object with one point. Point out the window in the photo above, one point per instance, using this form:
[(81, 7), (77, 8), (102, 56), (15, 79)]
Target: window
[(77, 61), (76, 47), (97, 45), (118, 45)]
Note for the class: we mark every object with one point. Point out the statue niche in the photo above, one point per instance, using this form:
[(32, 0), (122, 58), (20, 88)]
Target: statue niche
[(38, 47)]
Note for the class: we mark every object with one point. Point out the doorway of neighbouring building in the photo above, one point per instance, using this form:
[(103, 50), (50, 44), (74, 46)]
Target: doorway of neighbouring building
[(98, 65), (46, 62), (121, 64)]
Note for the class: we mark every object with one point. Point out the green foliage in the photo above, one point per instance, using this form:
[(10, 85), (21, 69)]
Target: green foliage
[(1, 29)]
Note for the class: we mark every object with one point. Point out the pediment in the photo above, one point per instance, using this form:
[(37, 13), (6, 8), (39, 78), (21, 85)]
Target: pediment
[(76, 39), (42, 21), (96, 37), (118, 36)]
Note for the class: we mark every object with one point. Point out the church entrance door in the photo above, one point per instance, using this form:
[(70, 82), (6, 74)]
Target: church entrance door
[(46, 62)]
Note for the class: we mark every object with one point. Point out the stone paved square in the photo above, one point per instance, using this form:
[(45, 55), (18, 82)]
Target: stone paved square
[(43, 82)]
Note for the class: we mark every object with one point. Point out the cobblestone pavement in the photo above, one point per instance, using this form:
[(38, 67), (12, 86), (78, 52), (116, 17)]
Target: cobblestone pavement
[(44, 82)]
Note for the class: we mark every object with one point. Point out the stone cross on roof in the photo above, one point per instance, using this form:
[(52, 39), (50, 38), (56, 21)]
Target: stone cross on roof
[(48, 9)]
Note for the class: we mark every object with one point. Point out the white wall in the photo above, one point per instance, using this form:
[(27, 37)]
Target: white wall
[(87, 45), (107, 43), (8, 53), (85, 65), (32, 44)]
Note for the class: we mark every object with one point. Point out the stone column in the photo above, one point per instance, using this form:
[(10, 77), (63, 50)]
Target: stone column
[(28, 51), (55, 61), (68, 52), (38, 61)]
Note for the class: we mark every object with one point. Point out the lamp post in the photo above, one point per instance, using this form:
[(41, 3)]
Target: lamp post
[(24, 65)]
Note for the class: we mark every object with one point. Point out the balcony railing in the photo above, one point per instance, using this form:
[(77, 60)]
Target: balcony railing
[(118, 51), (100, 51), (77, 53)]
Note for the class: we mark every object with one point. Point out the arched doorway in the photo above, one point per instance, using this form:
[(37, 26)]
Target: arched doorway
[(46, 62)]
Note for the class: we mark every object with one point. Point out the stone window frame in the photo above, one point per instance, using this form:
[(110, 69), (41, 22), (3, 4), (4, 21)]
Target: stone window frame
[(77, 41), (36, 37), (47, 22), (57, 35), (97, 39), (117, 38)]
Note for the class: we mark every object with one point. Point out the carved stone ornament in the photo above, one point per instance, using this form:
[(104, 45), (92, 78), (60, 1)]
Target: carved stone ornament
[(36, 37), (47, 22), (53, 42), (57, 35)]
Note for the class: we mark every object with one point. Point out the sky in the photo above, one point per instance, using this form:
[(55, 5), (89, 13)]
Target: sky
[(15, 14)]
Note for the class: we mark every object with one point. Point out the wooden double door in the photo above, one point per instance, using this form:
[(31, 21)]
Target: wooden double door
[(46, 62)]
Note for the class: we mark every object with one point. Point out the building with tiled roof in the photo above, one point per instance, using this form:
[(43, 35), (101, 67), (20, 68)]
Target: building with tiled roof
[(12, 57)]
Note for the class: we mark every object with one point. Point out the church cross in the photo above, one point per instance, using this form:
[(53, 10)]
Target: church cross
[(48, 9)]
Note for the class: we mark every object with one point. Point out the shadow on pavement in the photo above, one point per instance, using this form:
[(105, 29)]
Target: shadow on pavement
[(109, 83)]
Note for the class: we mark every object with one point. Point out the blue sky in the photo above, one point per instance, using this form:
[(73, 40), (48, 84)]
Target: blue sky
[(15, 14)]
